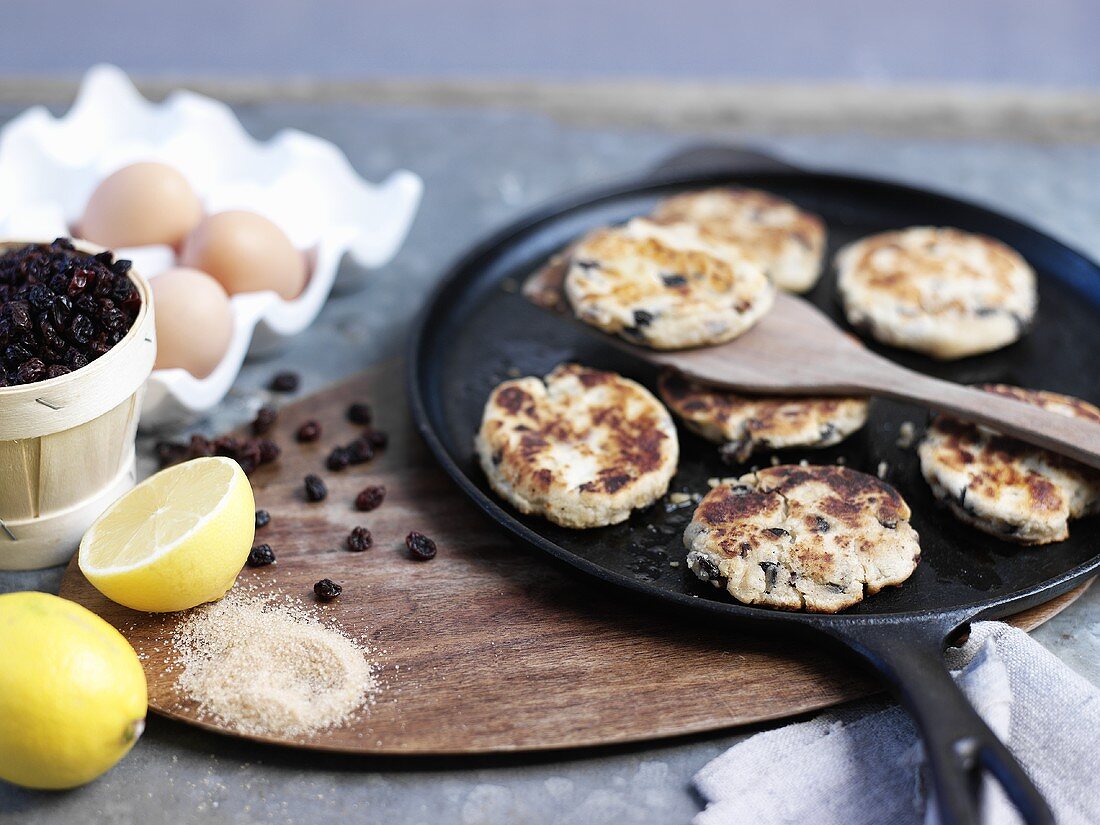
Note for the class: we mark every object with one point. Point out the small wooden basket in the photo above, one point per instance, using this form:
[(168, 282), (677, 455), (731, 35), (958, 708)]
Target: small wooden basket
[(67, 444)]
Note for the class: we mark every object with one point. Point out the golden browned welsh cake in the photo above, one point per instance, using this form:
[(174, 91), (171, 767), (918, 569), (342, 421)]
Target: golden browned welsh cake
[(581, 447), (787, 242), (1005, 487), (815, 538), (665, 286), (744, 424), (935, 290)]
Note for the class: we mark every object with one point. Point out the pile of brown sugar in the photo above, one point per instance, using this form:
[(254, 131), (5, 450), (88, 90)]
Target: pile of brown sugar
[(271, 667)]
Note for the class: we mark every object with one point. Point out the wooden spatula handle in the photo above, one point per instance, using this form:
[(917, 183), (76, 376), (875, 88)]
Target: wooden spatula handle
[(1072, 437)]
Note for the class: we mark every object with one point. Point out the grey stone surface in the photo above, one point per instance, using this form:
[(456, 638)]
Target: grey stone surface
[(482, 168), (1000, 41)]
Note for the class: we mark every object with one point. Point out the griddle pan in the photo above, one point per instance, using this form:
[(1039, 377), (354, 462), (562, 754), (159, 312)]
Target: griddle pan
[(476, 331)]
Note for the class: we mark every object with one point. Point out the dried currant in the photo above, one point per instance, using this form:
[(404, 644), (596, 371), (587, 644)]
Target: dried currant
[(18, 313), (377, 439), (40, 297), (265, 419), (200, 447), (170, 452), (359, 540), (50, 336), (87, 305), (370, 498), (420, 546), (75, 359), (248, 456), (269, 450), (359, 413), (309, 431), (31, 370), (81, 330), (315, 488), (261, 555), (226, 445), (359, 451), (284, 382), (338, 459), (326, 590), (99, 346), (17, 353)]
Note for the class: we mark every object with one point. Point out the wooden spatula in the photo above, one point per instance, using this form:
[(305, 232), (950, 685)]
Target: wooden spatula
[(797, 350)]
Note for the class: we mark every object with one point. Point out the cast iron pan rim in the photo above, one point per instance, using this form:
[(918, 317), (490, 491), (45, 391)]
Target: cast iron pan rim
[(640, 185)]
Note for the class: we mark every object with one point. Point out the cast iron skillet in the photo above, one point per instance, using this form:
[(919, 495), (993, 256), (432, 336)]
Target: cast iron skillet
[(476, 331)]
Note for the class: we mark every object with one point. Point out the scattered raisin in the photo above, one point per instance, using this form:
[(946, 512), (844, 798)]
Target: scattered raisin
[(359, 540), (338, 459), (420, 546), (359, 451), (263, 518), (261, 555), (284, 382), (310, 431), (226, 445), (169, 452), (359, 413), (378, 439), (200, 446), (250, 453), (370, 498), (248, 456), (269, 450), (326, 590), (315, 488), (266, 417)]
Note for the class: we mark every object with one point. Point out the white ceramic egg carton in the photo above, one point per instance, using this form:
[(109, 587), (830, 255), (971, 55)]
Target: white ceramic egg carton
[(49, 167)]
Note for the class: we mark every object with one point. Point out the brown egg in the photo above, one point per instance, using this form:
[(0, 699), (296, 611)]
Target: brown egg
[(246, 253), (143, 203), (194, 321)]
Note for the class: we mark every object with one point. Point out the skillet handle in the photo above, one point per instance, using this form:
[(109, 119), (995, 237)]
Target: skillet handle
[(958, 744), (718, 158)]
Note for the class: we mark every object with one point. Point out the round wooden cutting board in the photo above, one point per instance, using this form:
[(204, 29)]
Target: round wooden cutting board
[(490, 646)]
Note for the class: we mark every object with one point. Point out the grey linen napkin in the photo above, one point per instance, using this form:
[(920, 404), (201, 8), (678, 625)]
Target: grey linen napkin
[(861, 764)]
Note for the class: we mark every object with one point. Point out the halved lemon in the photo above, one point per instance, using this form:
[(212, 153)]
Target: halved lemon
[(175, 541)]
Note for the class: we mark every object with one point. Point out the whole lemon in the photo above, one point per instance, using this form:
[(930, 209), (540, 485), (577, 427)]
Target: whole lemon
[(72, 693)]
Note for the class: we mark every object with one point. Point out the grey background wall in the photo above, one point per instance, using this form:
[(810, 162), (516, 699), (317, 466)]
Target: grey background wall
[(1015, 42)]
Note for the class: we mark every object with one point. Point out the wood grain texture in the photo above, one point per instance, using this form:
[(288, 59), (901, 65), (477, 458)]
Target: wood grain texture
[(491, 646)]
